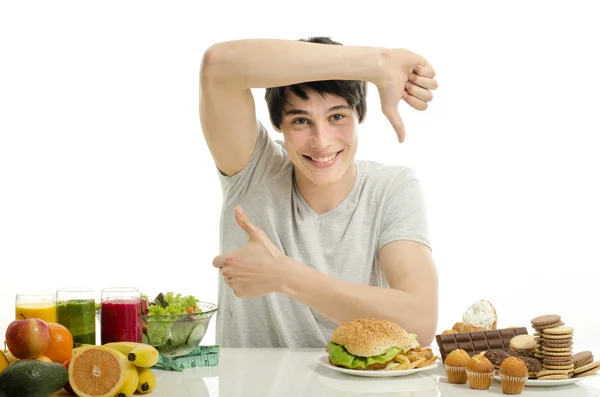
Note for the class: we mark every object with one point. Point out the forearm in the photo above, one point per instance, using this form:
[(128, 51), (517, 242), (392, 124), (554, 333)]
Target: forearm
[(342, 301), (262, 63)]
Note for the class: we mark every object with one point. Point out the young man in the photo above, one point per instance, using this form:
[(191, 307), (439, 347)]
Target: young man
[(311, 238)]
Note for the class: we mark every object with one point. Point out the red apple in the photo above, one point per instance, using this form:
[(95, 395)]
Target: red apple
[(28, 338)]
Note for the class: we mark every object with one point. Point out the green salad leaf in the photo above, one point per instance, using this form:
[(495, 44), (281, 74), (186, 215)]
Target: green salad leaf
[(174, 304)]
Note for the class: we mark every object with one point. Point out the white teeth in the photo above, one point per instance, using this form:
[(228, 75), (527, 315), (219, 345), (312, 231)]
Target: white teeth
[(324, 159)]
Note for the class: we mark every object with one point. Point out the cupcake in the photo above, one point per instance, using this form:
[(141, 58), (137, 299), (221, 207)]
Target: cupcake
[(513, 375), (455, 365), (480, 372)]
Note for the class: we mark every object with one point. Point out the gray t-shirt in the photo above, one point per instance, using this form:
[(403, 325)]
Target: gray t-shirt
[(385, 204)]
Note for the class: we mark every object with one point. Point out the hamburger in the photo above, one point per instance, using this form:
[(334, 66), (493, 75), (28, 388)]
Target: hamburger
[(369, 344)]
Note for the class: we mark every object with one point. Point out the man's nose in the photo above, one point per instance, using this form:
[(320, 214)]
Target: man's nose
[(321, 136)]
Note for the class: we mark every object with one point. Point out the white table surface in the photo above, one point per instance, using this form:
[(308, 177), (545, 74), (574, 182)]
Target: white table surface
[(297, 372)]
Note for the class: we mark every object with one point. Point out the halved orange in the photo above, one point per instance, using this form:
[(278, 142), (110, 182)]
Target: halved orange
[(97, 371)]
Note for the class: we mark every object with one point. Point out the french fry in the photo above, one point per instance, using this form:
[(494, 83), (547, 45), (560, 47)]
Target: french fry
[(427, 362), (414, 364), (391, 366), (403, 362)]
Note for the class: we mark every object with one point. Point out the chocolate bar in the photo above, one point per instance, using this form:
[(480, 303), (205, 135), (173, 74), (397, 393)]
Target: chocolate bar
[(477, 341)]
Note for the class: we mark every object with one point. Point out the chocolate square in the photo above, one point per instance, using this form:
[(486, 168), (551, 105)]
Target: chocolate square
[(480, 345), (463, 337)]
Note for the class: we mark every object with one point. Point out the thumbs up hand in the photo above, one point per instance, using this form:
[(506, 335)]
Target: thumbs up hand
[(257, 268)]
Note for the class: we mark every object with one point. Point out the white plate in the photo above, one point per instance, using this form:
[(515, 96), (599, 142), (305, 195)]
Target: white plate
[(548, 383), (324, 360)]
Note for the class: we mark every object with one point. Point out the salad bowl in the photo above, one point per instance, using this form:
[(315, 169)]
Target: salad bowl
[(174, 324), (176, 335)]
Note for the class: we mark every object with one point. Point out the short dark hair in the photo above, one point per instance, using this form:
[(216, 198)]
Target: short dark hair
[(353, 91)]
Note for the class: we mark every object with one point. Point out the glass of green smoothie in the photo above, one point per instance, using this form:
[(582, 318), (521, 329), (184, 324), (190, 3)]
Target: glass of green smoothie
[(76, 310)]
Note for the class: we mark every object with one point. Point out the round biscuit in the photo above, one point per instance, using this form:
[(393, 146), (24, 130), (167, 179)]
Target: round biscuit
[(545, 319), (565, 344), (562, 330), (545, 363), (545, 372), (560, 367), (557, 349), (587, 373), (553, 325), (586, 362), (563, 337), (553, 377), (587, 367), (582, 356), (557, 361), (557, 354), (524, 342)]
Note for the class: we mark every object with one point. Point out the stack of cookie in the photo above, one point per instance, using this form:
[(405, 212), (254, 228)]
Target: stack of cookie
[(584, 364), (554, 347)]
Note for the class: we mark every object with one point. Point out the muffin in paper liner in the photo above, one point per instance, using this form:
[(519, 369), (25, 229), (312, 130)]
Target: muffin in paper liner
[(456, 375), (480, 380), (512, 384)]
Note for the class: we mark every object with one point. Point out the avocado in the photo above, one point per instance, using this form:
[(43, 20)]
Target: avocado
[(32, 378)]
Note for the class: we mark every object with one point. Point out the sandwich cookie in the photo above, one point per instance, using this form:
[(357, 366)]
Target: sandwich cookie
[(582, 358), (588, 369)]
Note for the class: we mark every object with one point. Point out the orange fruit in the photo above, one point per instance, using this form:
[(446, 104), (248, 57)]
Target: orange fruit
[(97, 371), (60, 348)]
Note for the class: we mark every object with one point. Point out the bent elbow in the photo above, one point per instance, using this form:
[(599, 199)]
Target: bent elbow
[(216, 64), (209, 63)]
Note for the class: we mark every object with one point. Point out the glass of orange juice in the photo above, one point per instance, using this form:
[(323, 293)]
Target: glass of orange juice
[(36, 304)]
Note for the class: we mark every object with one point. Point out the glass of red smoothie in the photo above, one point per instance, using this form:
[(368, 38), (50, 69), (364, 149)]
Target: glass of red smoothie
[(120, 315)]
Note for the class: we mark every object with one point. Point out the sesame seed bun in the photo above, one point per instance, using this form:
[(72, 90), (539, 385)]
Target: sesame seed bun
[(369, 337)]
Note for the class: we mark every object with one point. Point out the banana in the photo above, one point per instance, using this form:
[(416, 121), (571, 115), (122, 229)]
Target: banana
[(131, 382), (3, 361), (9, 356), (139, 354), (146, 380)]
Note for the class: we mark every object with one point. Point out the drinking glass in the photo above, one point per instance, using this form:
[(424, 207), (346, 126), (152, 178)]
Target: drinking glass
[(35, 304), (76, 310), (120, 315)]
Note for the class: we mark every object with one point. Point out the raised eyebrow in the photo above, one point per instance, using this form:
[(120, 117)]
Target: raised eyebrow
[(339, 107), (292, 112)]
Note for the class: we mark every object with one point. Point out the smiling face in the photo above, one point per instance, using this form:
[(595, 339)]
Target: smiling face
[(320, 137)]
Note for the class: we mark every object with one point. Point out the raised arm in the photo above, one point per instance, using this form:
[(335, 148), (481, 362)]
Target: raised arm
[(230, 69)]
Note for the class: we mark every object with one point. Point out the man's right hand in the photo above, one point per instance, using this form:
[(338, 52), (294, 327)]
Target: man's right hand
[(406, 76)]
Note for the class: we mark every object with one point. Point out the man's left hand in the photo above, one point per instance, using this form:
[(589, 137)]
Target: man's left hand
[(256, 268)]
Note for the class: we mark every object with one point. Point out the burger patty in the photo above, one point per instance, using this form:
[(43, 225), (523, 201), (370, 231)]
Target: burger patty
[(369, 367)]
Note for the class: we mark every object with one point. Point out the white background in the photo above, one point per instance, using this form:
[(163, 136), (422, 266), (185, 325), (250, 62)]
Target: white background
[(105, 179)]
